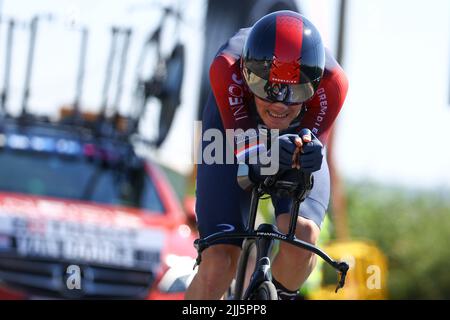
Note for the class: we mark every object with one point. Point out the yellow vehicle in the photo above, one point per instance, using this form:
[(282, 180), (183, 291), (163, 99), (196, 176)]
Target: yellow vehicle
[(366, 278)]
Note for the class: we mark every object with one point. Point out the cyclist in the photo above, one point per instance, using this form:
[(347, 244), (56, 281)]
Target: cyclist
[(275, 75)]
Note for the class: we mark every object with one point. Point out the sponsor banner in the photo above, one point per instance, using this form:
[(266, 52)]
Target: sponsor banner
[(81, 243)]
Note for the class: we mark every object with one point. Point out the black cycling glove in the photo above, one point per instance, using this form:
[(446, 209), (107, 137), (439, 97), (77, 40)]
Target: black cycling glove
[(311, 155)]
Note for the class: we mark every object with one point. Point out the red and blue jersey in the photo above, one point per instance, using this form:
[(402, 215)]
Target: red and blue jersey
[(235, 100)]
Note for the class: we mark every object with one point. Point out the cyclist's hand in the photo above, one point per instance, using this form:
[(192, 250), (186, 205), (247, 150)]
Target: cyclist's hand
[(310, 154), (287, 145)]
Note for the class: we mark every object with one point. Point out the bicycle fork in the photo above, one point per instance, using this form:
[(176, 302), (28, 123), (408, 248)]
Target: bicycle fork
[(262, 271)]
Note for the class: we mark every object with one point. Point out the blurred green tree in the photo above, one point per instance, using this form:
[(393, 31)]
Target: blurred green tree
[(412, 228)]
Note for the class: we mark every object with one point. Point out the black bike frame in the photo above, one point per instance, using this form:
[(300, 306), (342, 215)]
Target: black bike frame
[(264, 238)]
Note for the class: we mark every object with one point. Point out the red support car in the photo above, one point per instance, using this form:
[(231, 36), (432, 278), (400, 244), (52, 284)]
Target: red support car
[(83, 216)]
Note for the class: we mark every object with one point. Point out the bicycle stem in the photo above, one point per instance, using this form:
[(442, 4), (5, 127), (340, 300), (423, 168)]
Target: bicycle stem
[(294, 217), (256, 194)]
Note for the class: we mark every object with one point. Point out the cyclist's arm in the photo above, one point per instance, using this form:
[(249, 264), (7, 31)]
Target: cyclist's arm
[(326, 104), (233, 100)]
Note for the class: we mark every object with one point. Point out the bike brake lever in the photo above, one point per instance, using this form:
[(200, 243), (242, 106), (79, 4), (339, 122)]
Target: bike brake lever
[(343, 268), (199, 246), (198, 260)]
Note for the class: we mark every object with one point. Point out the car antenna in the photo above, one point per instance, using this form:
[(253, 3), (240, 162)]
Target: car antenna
[(6, 79)]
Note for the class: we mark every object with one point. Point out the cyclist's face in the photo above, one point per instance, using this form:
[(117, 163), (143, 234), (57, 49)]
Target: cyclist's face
[(276, 115)]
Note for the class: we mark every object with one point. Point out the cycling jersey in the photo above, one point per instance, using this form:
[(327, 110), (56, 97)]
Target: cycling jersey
[(221, 204), (235, 100)]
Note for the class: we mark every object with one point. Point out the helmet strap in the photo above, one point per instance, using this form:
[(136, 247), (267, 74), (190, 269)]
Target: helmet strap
[(302, 113)]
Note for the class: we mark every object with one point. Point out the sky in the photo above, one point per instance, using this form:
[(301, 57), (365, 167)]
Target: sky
[(394, 124)]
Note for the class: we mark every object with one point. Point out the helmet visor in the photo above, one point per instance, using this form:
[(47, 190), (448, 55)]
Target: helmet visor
[(288, 94)]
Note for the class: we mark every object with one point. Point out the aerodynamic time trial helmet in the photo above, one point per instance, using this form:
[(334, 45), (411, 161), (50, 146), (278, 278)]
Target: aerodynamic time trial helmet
[(283, 59)]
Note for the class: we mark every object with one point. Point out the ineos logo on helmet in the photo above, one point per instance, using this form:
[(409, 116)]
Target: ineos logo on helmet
[(283, 59)]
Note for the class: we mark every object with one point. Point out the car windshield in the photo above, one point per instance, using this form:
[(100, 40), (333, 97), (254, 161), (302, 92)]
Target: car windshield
[(76, 178)]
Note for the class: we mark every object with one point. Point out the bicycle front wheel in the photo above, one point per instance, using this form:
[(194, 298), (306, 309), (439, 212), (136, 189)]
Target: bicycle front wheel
[(266, 291)]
